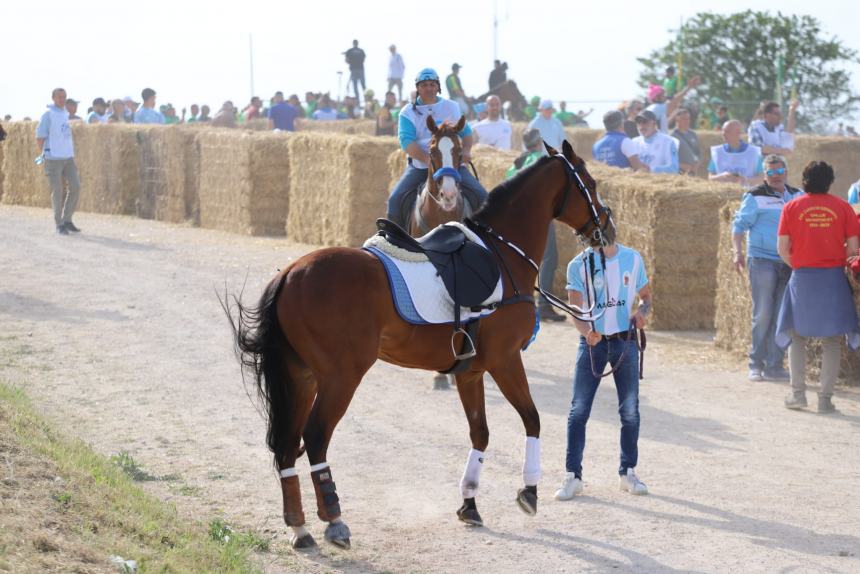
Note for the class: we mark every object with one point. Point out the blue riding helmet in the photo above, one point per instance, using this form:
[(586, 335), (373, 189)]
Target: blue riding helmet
[(425, 75)]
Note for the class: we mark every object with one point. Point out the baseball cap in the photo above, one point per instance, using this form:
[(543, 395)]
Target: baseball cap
[(645, 116), (72, 101), (545, 105), (655, 91), (456, 67), (99, 102), (128, 100)]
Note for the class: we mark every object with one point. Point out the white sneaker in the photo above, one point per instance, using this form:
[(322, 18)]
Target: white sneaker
[(569, 488), (631, 483)]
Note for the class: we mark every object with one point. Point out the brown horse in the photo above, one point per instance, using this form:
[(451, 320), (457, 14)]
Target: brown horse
[(440, 200), (325, 320), (508, 91)]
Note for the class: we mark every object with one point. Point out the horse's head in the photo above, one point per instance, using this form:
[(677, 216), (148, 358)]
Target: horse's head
[(445, 159), (579, 204)]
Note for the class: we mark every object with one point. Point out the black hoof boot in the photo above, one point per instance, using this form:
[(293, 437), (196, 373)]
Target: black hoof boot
[(527, 499), (303, 543), (338, 534), (468, 513), (440, 383)]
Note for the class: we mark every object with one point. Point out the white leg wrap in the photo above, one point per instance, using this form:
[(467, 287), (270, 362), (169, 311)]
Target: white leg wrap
[(319, 466), (531, 466), (288, 472), (472, 474)]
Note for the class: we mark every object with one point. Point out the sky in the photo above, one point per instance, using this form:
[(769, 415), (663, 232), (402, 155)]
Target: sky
[(198, 52)]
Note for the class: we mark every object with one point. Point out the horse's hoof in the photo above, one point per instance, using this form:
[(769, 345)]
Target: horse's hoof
[(303, 543), (338, 534), (440, 383), (527, 499), (470, 516)]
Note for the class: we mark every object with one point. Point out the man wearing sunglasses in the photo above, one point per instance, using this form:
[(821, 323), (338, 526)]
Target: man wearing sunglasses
[(758, 219)]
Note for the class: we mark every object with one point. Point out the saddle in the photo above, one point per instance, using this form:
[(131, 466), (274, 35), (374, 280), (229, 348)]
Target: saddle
[(468, 270)]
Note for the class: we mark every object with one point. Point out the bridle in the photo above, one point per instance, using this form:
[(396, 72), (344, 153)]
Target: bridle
[(593, 232), (439, 173)]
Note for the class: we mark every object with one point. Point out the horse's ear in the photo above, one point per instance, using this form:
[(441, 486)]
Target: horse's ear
[(461, 124), (549, 149), (431, 125), (568, 152)]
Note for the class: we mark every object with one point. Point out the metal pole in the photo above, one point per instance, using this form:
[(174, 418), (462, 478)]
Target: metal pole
[(495, 30), (251, 55)]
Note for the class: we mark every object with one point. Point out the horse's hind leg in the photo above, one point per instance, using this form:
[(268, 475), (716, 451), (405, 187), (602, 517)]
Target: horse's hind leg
[(301, 395), (512, 381), (471, 389), (332, 400)]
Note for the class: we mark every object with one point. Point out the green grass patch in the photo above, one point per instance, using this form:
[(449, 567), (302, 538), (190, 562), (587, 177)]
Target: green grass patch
[(111, 515)]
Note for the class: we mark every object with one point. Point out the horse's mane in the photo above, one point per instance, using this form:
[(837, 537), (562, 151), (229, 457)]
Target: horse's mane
[(503, 194)]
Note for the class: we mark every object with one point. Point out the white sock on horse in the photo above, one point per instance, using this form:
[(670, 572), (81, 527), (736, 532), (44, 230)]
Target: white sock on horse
[(472, 474), (531, 466)]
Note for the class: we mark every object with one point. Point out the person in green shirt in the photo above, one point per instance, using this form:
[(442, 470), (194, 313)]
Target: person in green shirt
[(565, 117), (670, 83), (534, 151), (169, 113), (531, 109)]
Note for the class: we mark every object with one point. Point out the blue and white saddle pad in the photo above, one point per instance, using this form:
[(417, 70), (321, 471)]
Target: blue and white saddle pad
[(420, 296)]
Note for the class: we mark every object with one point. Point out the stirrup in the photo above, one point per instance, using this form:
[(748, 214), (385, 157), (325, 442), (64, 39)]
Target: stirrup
[(470, 352)]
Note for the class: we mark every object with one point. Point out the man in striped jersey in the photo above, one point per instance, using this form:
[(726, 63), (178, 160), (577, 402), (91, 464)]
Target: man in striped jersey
[(608, 338)]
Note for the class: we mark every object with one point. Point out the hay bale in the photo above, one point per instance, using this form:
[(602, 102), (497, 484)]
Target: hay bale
[(244, 181), (24, 183), (108, 160), (733, 312), (168, 154), (841, 153), (352, 127), (338, 187)]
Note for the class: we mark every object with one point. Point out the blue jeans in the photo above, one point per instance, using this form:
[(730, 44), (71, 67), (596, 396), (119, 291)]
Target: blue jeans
[(356, 77), (413, 177), (768, 278), (585, 387), (549, 263)]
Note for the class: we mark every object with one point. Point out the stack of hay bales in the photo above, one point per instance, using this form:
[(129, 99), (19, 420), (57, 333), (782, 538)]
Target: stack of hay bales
[(168, 162), (338, 187), (108, 161), (841, 153), (24, 183), (352, 127), (244, 181), (2, 147)]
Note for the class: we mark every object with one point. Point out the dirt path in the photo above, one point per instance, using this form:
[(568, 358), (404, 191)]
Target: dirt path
[(118, 337)]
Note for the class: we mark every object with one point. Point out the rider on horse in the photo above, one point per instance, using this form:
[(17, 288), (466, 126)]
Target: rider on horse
[(414, 136)]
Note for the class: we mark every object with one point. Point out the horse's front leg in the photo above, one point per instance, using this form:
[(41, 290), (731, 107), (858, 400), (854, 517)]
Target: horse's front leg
[(512, 381), (471, 388)]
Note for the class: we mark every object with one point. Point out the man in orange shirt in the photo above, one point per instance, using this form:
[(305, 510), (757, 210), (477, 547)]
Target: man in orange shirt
[(817, 234)]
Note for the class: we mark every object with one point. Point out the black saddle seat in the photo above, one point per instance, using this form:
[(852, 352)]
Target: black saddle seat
[(469, 271)]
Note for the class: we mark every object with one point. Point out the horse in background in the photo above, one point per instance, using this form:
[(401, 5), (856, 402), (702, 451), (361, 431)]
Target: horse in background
[(440, 199)]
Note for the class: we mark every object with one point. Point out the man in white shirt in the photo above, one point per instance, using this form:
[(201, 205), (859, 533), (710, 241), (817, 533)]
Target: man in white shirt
[(655, 149), (768, 132), (396, 68), (494, 130)]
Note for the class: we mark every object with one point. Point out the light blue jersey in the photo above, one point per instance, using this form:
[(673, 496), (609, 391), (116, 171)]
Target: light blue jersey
[(412, 124), (54, 128), (625, 276), (145, 115)]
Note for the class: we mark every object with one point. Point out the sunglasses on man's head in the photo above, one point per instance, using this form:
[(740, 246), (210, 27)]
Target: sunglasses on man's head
[(777, 171)]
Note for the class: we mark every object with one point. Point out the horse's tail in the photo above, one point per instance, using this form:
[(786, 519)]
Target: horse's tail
[(262, 349)]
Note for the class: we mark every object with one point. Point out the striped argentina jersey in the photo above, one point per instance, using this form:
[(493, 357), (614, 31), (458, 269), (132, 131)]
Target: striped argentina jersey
[(625, 276)]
